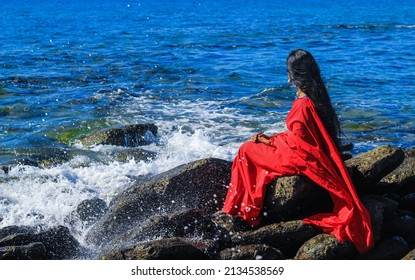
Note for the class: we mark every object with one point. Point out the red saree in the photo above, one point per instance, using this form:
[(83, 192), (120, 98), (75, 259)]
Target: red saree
[(304, 149)]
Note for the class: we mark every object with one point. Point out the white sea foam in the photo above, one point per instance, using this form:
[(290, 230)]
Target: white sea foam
[(45, 197)]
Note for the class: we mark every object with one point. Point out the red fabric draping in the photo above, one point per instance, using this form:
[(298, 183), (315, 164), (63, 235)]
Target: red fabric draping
[(304, 149)]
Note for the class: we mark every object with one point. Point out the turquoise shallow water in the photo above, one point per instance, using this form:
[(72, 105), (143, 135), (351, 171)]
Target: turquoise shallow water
[(209, 74)]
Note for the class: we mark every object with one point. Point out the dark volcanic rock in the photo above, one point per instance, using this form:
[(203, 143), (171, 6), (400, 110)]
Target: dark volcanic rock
[(230, 223), (127, 136), (394, 248), (401, 225), (325, 247), (201, 184), (251, 252), (408, 202), (32, 251), (369, 168), (126, 154), (293, 198), (42, 157), (172, 216), (400, 180), (58, 242), (87, 213), (287, 237), (91, 210), (379, 207), (14, 230), (16, 236), (189, 223), (163, 249)]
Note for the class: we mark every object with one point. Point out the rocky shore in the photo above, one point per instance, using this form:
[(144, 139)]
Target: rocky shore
[(172, 216)]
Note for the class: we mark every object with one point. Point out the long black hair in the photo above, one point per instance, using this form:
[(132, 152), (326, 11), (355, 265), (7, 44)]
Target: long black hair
[(304, 73)]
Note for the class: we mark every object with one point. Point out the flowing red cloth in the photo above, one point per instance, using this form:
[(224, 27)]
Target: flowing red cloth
[(305, 149)]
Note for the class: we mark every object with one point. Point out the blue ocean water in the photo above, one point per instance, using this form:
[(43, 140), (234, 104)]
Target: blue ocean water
[(209, 74)]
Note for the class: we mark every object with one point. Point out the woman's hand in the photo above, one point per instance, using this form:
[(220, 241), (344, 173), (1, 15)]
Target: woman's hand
[(260, 138)]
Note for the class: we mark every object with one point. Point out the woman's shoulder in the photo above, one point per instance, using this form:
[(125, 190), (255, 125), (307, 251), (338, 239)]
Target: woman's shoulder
[(303, 101), (302, 105)]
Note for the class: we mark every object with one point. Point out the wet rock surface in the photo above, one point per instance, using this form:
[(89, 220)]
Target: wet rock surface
[(285, 236), (293, 197), (201, 185), (369, 168), (325, 247), (173, 216), (127, 136), (27, 243), (251, 252), (164, 249)]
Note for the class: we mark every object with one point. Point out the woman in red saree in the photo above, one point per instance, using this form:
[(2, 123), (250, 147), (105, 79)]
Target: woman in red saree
[(310, 147)]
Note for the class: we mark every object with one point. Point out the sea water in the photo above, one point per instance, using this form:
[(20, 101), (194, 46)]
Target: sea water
[(208, 74)]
